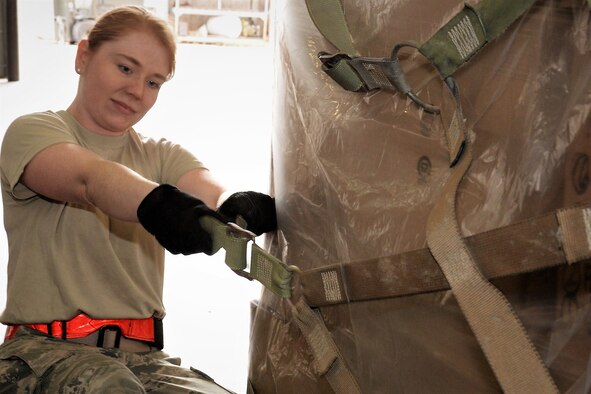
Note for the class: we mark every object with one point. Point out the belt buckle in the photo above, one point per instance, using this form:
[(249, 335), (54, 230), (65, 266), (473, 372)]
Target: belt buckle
[(103, 334)]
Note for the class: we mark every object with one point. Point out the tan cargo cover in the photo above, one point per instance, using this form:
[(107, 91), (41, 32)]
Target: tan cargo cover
[(356, 175)]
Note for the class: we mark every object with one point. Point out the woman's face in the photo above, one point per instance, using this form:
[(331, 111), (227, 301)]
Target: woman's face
[(119, 81)]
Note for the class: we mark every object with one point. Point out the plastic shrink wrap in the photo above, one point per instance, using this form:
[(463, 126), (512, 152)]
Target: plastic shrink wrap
[(357, 174)]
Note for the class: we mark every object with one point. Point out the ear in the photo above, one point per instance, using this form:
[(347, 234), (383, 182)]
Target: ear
[(82, 56)]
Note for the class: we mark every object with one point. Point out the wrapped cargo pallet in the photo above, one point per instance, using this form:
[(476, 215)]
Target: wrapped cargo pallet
[(439, 217)]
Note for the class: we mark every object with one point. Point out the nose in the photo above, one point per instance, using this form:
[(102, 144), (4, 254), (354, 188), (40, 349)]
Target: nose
[(136, 88)]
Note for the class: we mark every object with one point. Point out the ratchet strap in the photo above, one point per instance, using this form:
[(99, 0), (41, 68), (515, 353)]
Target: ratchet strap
[(463, 265), (327, 358), (448, 49), (276, 276), (470, 30), (510, 353), (558, 238), (501, 335), (271, 272)]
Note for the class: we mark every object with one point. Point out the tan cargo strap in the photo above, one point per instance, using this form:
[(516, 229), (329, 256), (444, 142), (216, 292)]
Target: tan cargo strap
[(511, 355), (502, 337), (276, 276), (328, 361), (561, 237), (558, 238)]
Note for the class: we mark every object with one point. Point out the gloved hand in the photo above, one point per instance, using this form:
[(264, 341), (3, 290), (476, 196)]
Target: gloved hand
[(257, 209), (172, 216)]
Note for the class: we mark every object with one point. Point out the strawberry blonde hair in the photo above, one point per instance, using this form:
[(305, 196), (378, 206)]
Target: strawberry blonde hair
[(119, 21)]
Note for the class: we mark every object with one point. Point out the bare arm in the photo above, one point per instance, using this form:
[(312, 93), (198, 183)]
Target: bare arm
[(201, 184), (70, 173)]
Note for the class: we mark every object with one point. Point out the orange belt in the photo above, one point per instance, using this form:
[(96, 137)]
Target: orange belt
[(147, 330)]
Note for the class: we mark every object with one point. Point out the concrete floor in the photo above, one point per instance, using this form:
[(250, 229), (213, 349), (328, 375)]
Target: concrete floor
[(218, 105)]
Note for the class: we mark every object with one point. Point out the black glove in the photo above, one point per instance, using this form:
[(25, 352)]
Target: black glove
[(257, 209), (173, 217)]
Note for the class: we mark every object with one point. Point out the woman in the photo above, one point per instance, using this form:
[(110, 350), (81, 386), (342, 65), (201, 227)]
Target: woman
[(89, 206)]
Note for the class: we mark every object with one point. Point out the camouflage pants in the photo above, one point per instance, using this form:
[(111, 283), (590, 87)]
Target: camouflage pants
[(35, 363)]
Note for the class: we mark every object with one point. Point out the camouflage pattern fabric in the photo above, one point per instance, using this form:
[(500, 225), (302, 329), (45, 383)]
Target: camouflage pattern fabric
[(32, 362)]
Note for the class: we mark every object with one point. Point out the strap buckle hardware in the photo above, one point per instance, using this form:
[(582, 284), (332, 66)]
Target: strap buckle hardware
[(401, 82), (240, 232), (363, 74), (265, 268)]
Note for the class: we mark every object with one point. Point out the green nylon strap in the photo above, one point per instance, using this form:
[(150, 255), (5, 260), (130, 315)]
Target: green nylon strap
[(222, 237), (276, 276), (467, 32), (448, 49), (273, 273), (265, 268), (343, 74), (329, 18)]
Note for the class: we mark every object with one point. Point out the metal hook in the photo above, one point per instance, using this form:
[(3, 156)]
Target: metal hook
[(402, 83)]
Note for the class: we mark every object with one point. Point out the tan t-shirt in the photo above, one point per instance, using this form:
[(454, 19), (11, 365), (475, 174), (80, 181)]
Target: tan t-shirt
[(70, 258)]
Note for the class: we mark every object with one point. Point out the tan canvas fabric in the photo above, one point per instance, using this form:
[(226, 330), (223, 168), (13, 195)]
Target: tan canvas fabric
[(356, 175)]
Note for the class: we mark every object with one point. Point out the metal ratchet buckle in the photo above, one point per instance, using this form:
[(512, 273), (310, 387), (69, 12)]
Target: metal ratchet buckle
[(243, 233), (402, 83), (329, 60), (240, 232)]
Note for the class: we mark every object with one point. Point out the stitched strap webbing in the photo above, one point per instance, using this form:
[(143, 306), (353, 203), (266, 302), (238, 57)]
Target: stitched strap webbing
[(505, 343), (328, 361), (449, 48), (558, 238), (276, 276), (329, 18), (467, 32), (265, 268), (503, 339)]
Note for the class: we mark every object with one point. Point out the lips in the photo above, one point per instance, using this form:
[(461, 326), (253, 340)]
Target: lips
[(124, 108)]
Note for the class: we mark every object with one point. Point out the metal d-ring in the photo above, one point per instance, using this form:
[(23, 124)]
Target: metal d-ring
[(402, 83)]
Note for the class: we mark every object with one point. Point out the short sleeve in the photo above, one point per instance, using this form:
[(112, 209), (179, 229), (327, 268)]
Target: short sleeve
[(25, 137), (178, 161), (168, 161)]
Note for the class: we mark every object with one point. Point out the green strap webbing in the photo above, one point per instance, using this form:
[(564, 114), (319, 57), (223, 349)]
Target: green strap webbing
[(453, 45), (276, 276), (329, 18), (222, 237), (271, 272), (512, 357), (265, 268), (467, 32), (345, 75)]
